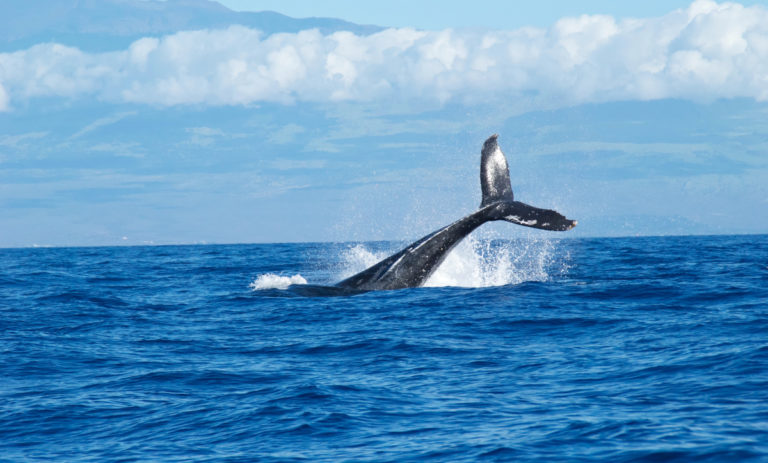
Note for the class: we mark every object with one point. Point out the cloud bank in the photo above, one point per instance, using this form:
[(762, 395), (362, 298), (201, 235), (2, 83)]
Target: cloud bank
[(706, 51)]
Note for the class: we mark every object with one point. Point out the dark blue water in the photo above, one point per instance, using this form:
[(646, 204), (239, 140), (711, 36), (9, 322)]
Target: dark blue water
[(638, 349)]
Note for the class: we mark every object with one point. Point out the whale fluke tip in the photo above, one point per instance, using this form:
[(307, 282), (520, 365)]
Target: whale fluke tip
[(491, 144)]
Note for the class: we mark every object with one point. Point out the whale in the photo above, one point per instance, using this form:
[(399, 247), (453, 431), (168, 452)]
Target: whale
[(413, 265)]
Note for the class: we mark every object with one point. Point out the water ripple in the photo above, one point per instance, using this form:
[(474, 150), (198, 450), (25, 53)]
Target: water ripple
[(648, 349)]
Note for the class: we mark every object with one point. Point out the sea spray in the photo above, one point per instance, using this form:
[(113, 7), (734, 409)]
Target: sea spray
[(475, 262), (359, 257), (272, 281)]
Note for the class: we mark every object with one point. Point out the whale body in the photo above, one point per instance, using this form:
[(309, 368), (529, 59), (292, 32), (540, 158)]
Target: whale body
[(413, 265)]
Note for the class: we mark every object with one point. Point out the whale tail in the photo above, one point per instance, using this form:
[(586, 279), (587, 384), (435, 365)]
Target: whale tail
[(500, 200), (494, 173), (413, 265)]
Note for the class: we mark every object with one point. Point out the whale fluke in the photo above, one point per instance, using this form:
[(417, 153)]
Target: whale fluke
[(494, 173), (497, 189), (413, 265)]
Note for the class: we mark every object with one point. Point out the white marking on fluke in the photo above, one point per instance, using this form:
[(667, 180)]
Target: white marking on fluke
[(521, 221)]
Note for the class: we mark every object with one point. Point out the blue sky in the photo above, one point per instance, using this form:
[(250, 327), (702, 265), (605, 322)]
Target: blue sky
[(635, 121), (441, 14)]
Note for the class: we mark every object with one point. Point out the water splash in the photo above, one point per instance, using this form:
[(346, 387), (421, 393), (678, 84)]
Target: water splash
[(272, 281), (477, 262), (357, 258)]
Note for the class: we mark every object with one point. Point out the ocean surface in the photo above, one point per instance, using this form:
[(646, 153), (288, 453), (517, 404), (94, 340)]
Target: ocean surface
[(622, 349)]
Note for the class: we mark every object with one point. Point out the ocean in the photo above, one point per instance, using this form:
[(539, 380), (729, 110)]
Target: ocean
[(605, 349)]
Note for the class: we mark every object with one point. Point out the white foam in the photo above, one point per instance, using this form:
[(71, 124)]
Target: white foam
[(272, 281)]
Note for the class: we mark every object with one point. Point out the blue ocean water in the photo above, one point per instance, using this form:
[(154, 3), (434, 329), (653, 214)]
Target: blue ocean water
[(624, 349)]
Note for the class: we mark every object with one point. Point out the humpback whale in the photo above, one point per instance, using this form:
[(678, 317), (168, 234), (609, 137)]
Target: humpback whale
[(413, 265)]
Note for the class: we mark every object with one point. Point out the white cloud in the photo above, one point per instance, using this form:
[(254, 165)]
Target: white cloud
[(289, 164), (285, 134), (104, 121), (129, 150), (206, 136), (3, 99), (205, 131), (16, 141), (706, 51)]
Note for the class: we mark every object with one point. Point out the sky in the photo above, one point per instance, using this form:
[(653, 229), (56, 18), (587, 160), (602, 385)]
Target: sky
[(442, 14), (639, 120)]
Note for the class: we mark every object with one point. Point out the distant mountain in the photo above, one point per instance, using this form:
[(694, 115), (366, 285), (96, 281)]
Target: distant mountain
[(102, 25)]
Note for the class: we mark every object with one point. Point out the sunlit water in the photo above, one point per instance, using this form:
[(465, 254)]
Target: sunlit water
[(637, 349)]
